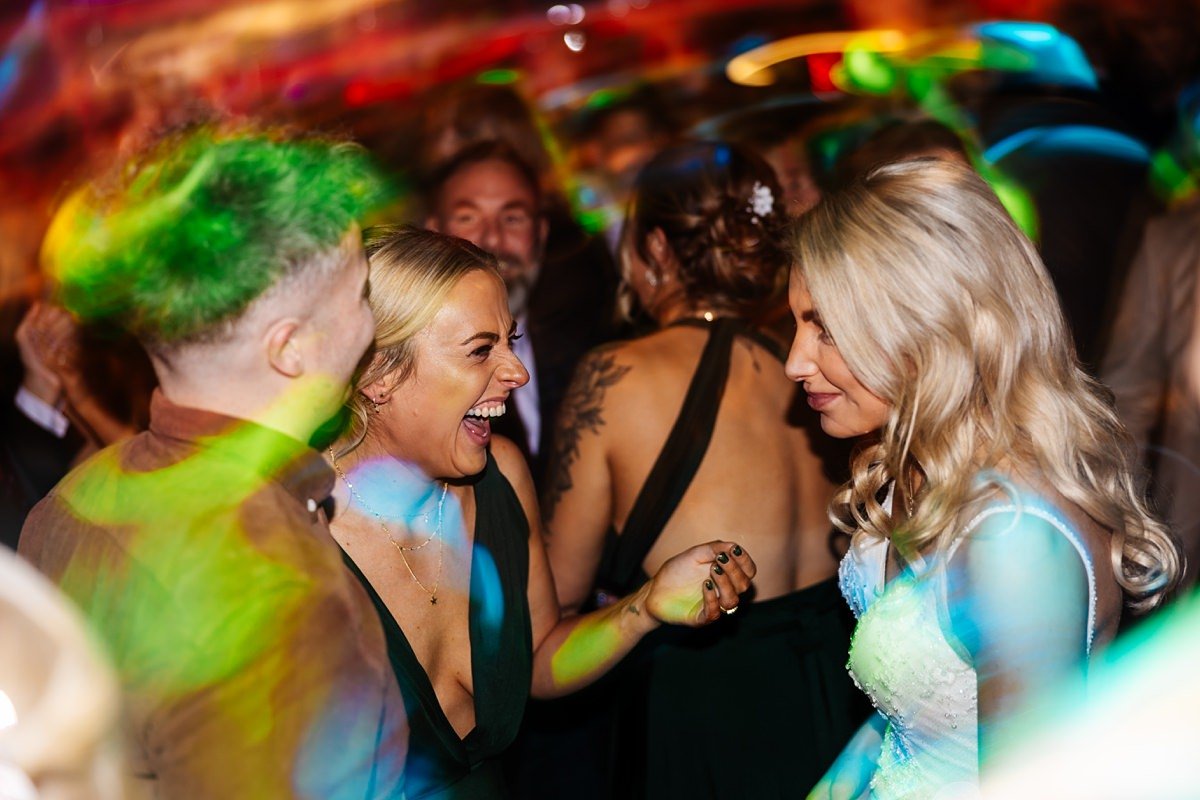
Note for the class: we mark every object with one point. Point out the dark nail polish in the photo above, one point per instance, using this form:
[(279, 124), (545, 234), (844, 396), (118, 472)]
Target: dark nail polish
[(717, 570), (724, 559), (737, 550), (708, 585)]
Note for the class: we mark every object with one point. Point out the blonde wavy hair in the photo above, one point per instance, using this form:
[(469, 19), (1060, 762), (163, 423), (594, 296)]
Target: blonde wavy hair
[(412, 272), (942, 307)]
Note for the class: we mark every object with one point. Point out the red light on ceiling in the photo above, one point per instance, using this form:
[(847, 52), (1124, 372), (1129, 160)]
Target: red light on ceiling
[(357, 93), (820, 65)]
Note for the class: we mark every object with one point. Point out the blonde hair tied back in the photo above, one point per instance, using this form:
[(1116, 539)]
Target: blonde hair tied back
[(939, 304), (412, 272)]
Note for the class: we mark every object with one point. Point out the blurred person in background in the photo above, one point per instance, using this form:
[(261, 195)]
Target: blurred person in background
[(1084, 170), (459, 118), (777, 134), (1148, 366), (789, 158), (81, 390), (464, 115), (39, 443), (250, 659), (438, 518), (901, 139), (628, 133), (997, 521), (691, 429), (69, 372), (619, 137), (487, 195)]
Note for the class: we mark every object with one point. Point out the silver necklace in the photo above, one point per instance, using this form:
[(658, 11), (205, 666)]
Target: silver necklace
[(400, 548)]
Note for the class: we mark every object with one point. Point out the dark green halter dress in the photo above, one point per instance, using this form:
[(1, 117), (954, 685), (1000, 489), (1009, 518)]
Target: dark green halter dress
[(439, 764)]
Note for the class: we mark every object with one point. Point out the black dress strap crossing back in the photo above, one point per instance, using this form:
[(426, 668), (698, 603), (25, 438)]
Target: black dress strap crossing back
[(784, 657), (620, 570)]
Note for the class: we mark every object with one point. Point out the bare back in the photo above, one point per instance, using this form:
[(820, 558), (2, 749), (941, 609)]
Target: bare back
[(759, 482)]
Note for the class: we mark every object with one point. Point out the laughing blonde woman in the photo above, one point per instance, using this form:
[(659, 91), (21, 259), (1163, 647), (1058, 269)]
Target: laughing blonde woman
[(438, 520)]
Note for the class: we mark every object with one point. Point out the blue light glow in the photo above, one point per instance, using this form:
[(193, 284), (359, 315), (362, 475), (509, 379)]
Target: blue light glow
[(1058, 59), (1071, 138)]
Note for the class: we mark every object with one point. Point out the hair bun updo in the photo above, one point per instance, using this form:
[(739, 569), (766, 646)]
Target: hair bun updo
[(720, 209)]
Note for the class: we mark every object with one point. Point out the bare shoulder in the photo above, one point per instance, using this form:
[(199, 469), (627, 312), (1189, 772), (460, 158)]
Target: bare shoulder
[(612, 362), (625, 370), (1020, 517), (1029, 488), (597, 397), (661, 345), (602, 374), (511, 463)]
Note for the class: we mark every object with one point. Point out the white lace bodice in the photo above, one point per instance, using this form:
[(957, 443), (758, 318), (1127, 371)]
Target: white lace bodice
[(921, 682)]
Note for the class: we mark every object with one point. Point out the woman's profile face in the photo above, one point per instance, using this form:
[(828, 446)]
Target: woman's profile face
[(438, 418), (847, 408)]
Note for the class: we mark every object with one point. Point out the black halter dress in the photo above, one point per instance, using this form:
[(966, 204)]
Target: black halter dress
[(440, 765), (757, 705)]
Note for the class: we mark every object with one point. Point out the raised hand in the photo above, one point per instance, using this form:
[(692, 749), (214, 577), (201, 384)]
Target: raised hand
[(63, 349), (696, 586), (35, 347)]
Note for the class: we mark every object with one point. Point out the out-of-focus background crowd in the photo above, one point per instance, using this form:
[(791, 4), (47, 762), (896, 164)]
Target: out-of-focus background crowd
[(1082, 107), (1081, 114)]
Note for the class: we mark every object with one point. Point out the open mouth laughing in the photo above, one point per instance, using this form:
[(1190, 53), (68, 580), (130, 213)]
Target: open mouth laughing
[(478, 421)]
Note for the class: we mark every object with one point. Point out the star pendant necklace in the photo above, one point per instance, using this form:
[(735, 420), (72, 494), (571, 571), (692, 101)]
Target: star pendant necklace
[(401, 548)]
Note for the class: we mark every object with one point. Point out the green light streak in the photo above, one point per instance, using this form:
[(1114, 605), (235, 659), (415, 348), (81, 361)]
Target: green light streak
[(498, 77), (1014, 198), (869, 72), (593, 641), (1172, 181), (924, 82)]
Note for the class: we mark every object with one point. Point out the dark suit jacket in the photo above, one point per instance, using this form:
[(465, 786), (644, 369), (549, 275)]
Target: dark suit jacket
[(571, 310), (32, 460), (1086, 175), (1147, 368)]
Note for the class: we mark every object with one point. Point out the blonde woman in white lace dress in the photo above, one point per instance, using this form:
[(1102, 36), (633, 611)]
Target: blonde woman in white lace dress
[(998, 527)]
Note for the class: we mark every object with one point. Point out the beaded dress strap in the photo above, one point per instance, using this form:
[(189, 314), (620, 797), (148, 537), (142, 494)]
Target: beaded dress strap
[(1062, 528)]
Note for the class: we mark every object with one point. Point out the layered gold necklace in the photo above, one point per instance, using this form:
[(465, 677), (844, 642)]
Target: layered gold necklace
[(402, 548)]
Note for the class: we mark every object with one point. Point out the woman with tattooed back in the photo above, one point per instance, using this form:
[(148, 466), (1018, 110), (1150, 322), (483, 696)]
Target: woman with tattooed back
[(687, 434)]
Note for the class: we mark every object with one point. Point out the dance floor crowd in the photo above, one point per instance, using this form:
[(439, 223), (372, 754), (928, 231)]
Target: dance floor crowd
[(787, 475)]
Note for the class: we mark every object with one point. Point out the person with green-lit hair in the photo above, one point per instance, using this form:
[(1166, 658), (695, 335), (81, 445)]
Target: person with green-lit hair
[(250, 660)]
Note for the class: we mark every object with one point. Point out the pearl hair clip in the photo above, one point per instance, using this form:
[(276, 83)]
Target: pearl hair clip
[(762, 202)]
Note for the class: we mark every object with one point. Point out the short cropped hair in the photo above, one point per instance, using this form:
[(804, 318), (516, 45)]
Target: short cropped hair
[(177, 242)]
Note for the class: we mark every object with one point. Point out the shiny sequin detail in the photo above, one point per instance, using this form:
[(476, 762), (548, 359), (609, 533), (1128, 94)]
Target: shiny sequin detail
[(902, 660)]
